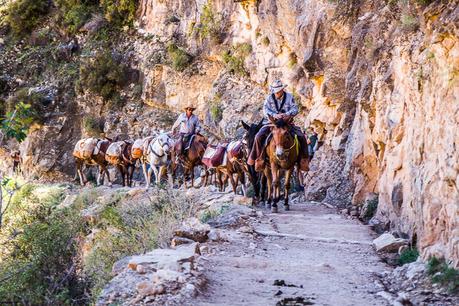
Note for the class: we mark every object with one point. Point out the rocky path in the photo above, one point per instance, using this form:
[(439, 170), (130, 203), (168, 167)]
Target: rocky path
[(307, 256)]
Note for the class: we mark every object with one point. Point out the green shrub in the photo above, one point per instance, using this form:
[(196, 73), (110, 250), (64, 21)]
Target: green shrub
[(128, 228), (209, 214), (292, 60), (215, 108), (24, 15), (234, 58), (16, 123), (75, 13), (424, 2), (180, 59), (103, 75), (370, 208), (210, 25), (265, 41), (35, 99), (441, 273), (119, 12), (38, 247), (408, 255), (92, 126), (409, 23)]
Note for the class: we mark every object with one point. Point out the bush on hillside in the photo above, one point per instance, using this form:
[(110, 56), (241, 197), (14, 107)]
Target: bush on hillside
[(41, 243), (235, 58), (119, 12), (180, 59), (210, 26), (38, 245), (93, 126), (23, 15), (74, 13), (103, 75)]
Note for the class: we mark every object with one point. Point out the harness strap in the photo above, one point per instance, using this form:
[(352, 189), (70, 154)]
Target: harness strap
[(153, 151), (279, 109)]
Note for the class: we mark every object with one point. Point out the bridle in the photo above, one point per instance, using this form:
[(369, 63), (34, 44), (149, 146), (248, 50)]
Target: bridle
[(287, 151), (162, 147)]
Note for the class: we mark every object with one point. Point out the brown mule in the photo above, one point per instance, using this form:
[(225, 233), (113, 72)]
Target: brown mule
[(235, 167), (119, 154), (192, 158), (283, 152), (91, 152)]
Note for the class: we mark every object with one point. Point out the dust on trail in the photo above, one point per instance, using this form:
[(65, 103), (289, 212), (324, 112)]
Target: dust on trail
[(314, 256)]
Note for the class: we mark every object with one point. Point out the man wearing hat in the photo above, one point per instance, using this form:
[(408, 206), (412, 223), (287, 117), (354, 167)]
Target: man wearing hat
[(279, 104), (189, 125)]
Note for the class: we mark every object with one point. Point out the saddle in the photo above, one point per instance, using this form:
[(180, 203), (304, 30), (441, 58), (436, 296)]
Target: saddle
[(235, 150), (215, 156), (85, 148), (140, 146), (114, 154)]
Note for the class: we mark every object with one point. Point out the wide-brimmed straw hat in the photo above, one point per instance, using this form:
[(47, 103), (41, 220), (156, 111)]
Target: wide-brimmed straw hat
[(189, 106), (277, 86)]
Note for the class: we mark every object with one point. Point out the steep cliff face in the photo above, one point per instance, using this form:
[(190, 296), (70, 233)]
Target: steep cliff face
[(377, 80)]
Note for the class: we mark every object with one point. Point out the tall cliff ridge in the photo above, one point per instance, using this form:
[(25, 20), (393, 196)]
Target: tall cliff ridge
[(379, 81)]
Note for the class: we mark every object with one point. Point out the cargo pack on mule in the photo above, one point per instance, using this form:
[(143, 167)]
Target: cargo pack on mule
[(218, 155)]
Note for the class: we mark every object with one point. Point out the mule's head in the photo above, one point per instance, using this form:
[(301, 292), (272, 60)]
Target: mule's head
[(251, 131), (165, 142), (282, 138)]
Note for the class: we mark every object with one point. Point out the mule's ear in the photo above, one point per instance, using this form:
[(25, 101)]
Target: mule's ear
[(271, 119), (261, 122), (245, 125)]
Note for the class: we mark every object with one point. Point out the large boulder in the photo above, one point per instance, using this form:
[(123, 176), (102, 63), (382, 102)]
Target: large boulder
[(388, 243)]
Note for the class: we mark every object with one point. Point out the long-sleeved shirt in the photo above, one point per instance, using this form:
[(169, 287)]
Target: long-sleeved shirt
[(187, 125), (272, 106)]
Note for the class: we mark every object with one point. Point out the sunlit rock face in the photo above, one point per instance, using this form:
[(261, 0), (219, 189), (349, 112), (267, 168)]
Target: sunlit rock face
[(379, 84)]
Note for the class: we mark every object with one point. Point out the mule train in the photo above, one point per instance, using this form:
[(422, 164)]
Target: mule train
[(227, 161)]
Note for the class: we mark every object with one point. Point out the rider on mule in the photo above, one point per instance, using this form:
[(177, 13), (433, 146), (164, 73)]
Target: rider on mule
[(279, 105), (189, 125)]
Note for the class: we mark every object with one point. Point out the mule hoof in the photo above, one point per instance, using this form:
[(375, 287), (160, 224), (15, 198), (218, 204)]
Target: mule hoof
[(287, 207), (267, 205), (274, 209)]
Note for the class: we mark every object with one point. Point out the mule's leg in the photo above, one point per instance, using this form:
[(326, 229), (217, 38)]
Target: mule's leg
[(206, 176), (148, 178), (243, 183), (185, 173), (122, 172), (170, 178), (263, 188), (100, 176), (192, 177), (276, 187), (131, 174), (105, 171), (79, 166), (287, 188), (145, 174), (157, 176), (233, 182), (218, 175), (268, 188), (300, 177)]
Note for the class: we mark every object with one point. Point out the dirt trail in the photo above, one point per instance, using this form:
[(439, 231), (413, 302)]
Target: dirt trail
[(326, 258)]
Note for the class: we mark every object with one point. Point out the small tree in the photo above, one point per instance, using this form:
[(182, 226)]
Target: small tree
[(15, 125)]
